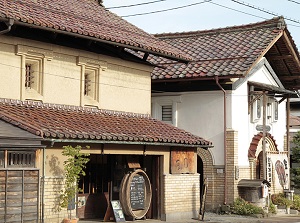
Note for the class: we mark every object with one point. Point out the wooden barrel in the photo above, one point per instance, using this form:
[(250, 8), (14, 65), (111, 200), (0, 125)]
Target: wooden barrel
[(127, 193)]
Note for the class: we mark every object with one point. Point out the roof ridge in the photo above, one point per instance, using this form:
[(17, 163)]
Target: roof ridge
[(30, 103), (277, 22)]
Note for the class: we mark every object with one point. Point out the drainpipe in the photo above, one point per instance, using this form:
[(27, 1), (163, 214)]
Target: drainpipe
[(288, 138), (9, 24), (225, 150)]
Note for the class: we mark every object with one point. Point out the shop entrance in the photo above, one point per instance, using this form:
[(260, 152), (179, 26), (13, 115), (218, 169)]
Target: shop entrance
[(101, 184)]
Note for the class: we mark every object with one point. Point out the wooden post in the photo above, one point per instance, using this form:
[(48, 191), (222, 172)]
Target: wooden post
[(264, 136)]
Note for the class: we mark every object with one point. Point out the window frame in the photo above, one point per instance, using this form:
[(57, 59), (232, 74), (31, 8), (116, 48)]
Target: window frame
[(159, 102), (95, 66), (18, 158), (38, 57)]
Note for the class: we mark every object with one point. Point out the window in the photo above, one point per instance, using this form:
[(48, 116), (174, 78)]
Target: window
[(91, 84), (90, 76), (32, 72), (17, 159), (33, 75), (1, 159), (164, 108), (167, 113), (275, 104), (256, 110)]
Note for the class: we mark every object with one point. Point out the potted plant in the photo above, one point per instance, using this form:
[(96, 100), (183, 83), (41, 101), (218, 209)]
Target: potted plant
[(74, 167)]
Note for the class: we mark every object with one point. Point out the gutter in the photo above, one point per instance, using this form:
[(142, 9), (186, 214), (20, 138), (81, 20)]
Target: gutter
[(9, 23), (225, 149), (122, 142), (102, 41)]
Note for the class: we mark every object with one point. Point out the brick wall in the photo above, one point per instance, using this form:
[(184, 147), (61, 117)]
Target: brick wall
[(52, 188), (232, 165), (182, 196)]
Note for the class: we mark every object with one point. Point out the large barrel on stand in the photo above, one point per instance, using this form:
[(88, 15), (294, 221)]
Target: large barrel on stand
[(135, 194)]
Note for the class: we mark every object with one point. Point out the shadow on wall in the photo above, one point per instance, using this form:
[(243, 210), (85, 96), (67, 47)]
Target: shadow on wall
[(55, 181)]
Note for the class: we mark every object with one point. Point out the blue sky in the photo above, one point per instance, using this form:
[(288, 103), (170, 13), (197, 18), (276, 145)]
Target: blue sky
[(207, 15)]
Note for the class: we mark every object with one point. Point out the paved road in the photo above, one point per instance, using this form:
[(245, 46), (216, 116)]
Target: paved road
[(214, 218), (282, 219)]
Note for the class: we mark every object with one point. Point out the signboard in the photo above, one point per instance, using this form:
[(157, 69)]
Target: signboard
[(182, 161), (260, 128), (137, 193), (118, 212)]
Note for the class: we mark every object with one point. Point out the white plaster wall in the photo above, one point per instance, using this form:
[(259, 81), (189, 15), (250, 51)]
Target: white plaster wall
[(201, 113), (242, 120)]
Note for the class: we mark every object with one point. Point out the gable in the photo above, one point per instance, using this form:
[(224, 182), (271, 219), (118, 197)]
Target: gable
[(12, 136), (232, 52)]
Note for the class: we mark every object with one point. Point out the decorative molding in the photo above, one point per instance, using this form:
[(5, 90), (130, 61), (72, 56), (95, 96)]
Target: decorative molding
[(22, 50), (91, 62)]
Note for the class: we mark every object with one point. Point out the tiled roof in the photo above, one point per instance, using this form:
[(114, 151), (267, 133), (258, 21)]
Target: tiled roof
[(219, 52), (86, 18), (72, 122)]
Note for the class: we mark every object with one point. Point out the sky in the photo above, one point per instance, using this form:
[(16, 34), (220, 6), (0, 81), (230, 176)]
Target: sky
[(205, 14)]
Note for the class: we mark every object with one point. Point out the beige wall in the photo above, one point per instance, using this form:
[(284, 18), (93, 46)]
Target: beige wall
[(181, 196), (123, 85)]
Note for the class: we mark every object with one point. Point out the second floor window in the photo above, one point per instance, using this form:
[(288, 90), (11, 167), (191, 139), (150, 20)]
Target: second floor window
[(90, 83)]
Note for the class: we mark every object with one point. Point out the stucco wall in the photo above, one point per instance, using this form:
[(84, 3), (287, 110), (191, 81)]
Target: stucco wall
[(123, 85)]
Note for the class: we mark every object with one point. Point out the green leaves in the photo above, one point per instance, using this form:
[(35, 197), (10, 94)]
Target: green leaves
[(295, 170), (74, 167)]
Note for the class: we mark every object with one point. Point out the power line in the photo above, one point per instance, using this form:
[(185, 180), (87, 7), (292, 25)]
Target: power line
[(294, 1), (127, 6), (236, 10), (263, 10), (164, 10)]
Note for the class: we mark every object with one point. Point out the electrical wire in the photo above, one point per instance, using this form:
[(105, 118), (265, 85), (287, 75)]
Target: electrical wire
[(127, 6), (246, 13), (236, 10), (165, 10), (264, 10), (294, 1)]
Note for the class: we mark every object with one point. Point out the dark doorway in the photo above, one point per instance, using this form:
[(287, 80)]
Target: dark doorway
[(102, 181), (200, 171), (259, 166)]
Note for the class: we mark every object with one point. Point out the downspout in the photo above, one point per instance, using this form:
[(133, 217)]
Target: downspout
[(288, 138), (9, 24), (43, 177), (43, 189), (225, 150)]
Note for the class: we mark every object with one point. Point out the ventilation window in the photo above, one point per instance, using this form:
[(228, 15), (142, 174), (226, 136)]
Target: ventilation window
[(167, 113), (32, 75), (1, 159), (20, 159)]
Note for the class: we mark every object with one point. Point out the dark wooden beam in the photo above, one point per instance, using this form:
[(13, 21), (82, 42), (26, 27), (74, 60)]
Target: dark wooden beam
[(290, 78), (282, 57)]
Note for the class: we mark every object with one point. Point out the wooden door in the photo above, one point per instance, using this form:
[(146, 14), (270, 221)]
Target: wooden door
[(19, 196)]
